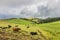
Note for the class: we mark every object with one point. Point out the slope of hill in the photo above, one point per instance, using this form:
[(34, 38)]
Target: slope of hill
[(47, 31), (53, 29)]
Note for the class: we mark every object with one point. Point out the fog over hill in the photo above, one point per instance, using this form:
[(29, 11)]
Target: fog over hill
[(29, 8)]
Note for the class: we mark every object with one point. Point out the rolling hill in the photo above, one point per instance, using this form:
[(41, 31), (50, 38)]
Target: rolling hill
[(46, 31)]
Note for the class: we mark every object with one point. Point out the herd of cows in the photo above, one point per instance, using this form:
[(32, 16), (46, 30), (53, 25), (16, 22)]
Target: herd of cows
[(16, 29)]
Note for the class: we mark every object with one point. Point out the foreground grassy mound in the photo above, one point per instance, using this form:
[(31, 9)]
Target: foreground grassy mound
[(26, 34), (47, 31)]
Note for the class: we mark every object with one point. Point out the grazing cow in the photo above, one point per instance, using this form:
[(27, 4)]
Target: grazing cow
[(0, 27), (33, 33), (16, 26), (4, 27), (16, 29), (9, 26), (28, 26)]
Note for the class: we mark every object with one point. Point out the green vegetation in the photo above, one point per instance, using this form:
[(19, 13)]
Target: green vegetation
[(46, 31), (47, 20), (52, 28)]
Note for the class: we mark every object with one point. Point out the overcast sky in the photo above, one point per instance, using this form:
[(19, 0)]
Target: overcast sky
[(29, 8)]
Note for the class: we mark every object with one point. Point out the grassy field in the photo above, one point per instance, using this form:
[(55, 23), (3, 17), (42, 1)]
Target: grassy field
[(52, 28), (46, 31)]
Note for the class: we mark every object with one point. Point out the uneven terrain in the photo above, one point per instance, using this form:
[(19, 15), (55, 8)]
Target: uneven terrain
[(29, 30)]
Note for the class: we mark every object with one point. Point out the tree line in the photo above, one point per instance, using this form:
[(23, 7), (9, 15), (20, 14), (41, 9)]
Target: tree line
[(47, 20)]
